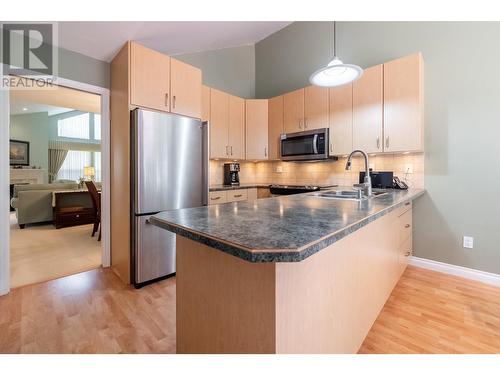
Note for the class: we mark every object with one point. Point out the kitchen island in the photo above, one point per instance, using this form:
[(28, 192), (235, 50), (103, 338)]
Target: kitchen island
[(294, 274)]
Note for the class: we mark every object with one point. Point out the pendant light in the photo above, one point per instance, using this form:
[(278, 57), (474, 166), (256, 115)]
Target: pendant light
[(336, 73)]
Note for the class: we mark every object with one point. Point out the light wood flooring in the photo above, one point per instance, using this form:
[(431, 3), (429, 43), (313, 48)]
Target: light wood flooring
[(93, 312), (41, 252)]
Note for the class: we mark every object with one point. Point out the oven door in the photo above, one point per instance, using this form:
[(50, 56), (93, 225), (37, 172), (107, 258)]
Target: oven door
[(308, 145)]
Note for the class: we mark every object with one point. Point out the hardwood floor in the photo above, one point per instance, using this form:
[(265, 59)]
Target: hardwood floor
[(94, 312), (91, 312), (41, 252), (430, 312)]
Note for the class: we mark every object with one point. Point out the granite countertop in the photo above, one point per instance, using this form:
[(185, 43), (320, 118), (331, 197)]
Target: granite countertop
[(282, 229), (255, 185)]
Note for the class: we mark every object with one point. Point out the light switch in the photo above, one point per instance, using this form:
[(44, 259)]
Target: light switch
[(468, 242)]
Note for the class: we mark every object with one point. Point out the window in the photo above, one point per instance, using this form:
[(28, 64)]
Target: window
[(72, 168), (97, 166), (97, 127), (75, 127)]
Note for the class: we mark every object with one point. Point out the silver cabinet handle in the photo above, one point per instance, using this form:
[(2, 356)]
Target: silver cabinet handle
[(166, 99), (331, 147), (300, 124), (265, 151), (238, 195), (378, 142), (305, 123), (408, 253), (173, 101), (387, 142), (214, 198), (407, 225), (227, 150), (231, 150)]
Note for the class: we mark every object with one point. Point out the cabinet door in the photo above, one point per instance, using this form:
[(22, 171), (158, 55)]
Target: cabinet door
[(275, 126), (403, 104), (368, 110), (256, 129), (341, 120), (219, 124), (236, 127), (315, 107), (149, 78), (293, 111), (205, 103), (185, 90)]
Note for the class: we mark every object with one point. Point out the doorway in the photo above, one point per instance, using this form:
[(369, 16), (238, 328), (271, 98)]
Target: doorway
[(78, 134)]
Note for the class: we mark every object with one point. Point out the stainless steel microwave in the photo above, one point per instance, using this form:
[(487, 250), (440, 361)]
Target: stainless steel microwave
[(306, 145)]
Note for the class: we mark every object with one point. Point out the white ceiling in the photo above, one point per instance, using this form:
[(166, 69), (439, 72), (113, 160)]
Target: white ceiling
[(102, 40), (17, 106)]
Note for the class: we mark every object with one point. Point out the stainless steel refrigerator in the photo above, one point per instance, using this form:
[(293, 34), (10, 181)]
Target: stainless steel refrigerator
[(169, 171)]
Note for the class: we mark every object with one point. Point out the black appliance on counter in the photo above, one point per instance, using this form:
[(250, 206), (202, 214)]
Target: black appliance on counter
[(380, 180), (295, 189), (231, 174)]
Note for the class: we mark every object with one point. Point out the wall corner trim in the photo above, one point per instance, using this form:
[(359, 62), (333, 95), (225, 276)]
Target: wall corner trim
[(451, 269)]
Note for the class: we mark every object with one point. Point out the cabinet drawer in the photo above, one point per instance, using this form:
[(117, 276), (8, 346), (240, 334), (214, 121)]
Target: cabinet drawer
[(405, 226), (216, 197), (237, 195), (401, 210)]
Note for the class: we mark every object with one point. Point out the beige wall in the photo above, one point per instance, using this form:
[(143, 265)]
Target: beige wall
[(323, 173)]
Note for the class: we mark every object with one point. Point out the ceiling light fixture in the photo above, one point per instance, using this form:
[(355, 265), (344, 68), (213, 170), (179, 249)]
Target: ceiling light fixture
[(25, 109), (336, 73)]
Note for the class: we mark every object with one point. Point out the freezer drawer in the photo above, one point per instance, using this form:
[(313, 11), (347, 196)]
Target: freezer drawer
[(154, 251)]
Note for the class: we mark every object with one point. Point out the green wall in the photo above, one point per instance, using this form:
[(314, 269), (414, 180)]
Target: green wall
[(33, 128), (462, 119), (229, 69)]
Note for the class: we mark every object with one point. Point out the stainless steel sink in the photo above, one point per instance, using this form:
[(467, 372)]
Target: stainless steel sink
[(348, 194)]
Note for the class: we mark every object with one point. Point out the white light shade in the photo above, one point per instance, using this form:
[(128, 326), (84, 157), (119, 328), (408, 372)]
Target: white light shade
[(336, 73)]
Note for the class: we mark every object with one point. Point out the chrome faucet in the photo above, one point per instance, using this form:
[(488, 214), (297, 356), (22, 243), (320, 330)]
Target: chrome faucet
[(367, 184)]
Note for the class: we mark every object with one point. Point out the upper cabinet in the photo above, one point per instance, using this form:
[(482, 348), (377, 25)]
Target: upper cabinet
[(367, 119), (236, 127), (341, 120), (205, 103), (256, 129), (149, 78), (293, 111), (185, 89), (275, 126), (164, 84), (315, 107), (403, 104), (219, 124)]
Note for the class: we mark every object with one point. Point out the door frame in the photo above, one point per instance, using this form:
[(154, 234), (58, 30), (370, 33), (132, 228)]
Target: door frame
[(5, 177)]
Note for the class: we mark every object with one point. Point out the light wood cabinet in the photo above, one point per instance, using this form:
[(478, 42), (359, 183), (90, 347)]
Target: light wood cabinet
[(340, 120), (205, 103), (404, 231), (403, 104), (315, 107), (149, 78), (237, 195), (185, 89), (219, 124), (236, 135), (293, 111), (367, 119), (275, 126), (217, 197), (256, 129)]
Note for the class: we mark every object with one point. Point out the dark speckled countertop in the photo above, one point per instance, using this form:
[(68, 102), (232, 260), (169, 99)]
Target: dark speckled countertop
[(282, 229)]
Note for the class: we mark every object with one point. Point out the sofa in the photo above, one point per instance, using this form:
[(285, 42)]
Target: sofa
[(33, 203)]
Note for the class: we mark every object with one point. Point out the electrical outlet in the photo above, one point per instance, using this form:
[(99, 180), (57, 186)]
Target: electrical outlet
[(371, 166), (279, 169), (468, 242), (409, 168)]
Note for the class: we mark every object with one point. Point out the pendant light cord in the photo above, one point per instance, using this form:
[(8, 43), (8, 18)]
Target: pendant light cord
[(334, 38)]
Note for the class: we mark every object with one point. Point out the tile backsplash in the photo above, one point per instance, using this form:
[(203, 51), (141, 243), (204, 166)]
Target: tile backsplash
[(409, 168)]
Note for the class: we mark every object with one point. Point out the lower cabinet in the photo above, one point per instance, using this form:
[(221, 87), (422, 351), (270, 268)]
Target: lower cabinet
[(227, 196)]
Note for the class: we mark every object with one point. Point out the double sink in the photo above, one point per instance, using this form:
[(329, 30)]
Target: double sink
[(353, 195)]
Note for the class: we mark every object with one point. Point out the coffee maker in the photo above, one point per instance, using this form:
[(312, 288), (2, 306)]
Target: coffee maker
[(231, 174)]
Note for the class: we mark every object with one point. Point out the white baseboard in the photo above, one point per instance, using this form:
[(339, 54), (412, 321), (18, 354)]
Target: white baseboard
[(467, 273)]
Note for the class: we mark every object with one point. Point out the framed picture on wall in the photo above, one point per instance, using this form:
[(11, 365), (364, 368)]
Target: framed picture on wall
[(19, 153)]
